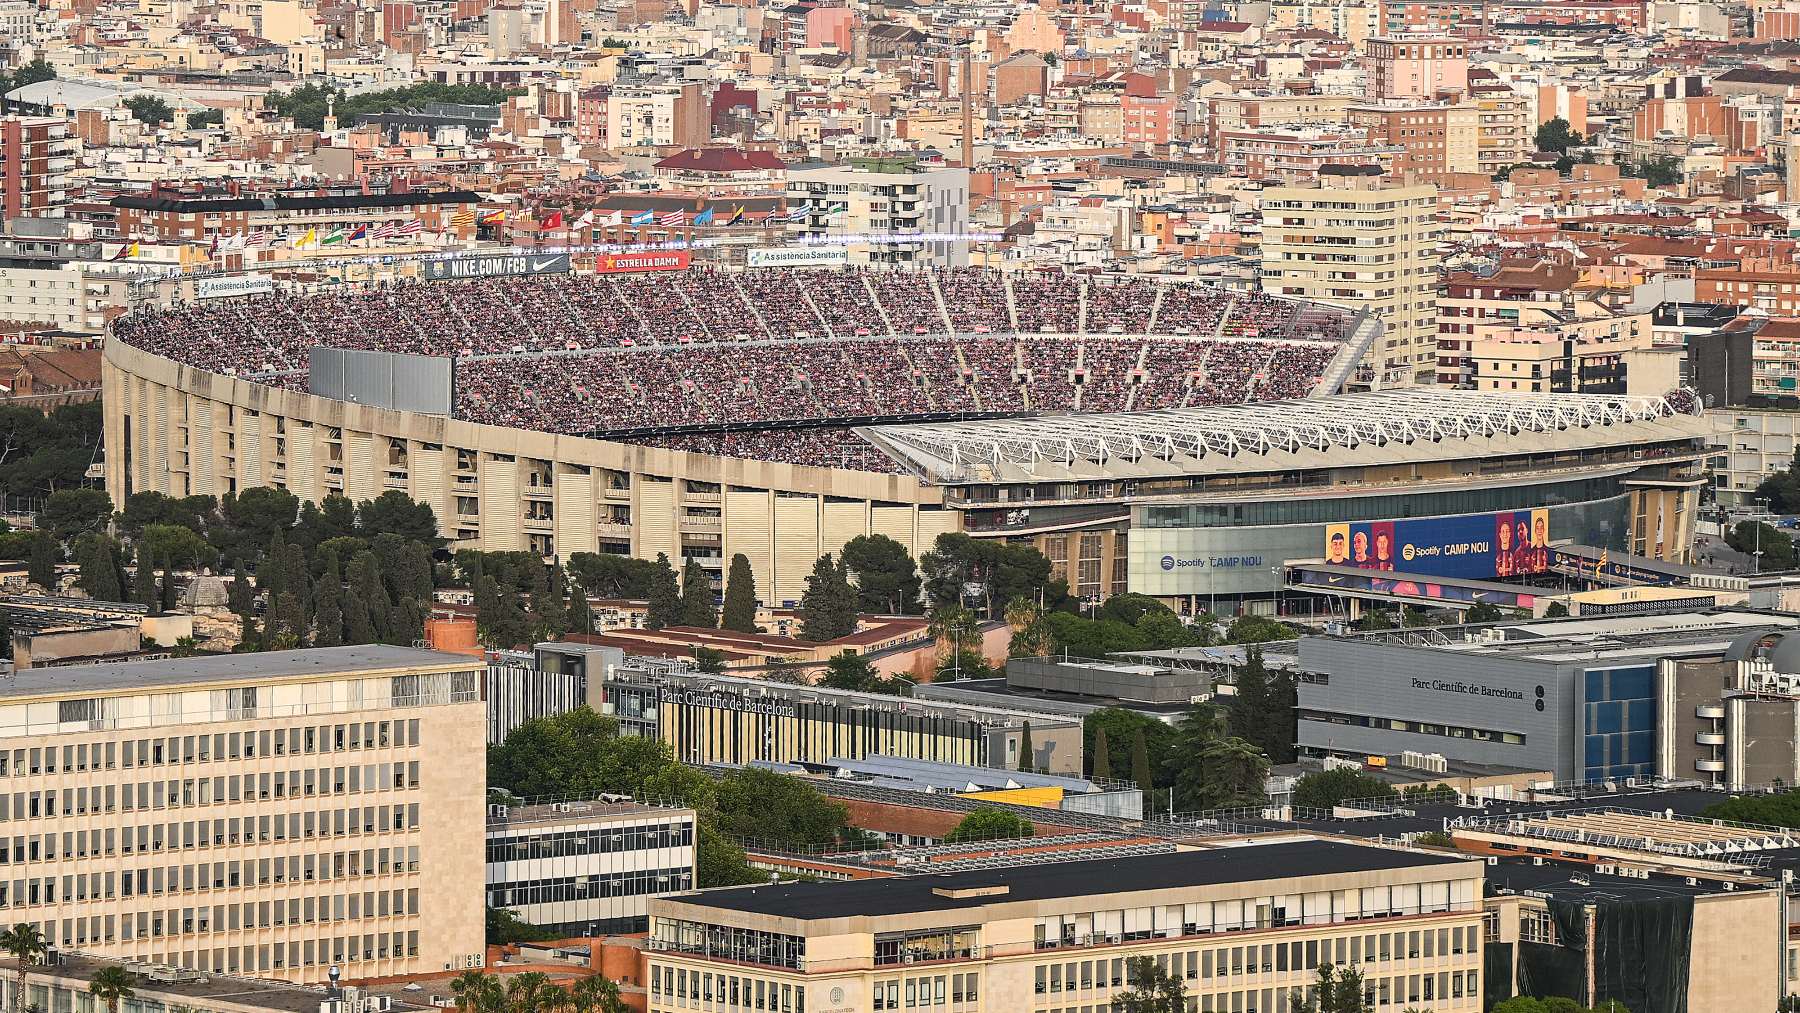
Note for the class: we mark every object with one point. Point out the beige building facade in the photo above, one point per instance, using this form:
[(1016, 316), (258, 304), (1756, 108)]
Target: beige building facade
[(1241, 927), (270, 815), (1353, 242), (186, 431)]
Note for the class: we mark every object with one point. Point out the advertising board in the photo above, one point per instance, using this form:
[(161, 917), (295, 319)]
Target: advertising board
[(496, 266), (797, 256), (1476, 546), (233, 285)]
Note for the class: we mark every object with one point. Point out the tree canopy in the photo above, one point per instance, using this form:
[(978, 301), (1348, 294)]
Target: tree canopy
[(1777, 546), (1326, 788), (988, 823)]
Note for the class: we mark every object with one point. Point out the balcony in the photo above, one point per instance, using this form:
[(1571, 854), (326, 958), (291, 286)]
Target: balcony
[(616, 529), (1710, 711), (700, 525), (1709, 738), (540, 523), (1710, 766)]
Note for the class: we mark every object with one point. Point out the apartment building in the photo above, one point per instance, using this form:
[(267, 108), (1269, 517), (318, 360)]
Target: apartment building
[(657, 114), (36, 154), (1354, 242), (587, 868), (1241, 927), (889, 201), (1416, 66), (1434, 138), (1598, 355), (1516, 294), (260, 814)]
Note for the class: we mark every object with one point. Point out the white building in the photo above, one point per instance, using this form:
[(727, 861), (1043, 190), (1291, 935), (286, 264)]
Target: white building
[(587, 868), (846, 200)]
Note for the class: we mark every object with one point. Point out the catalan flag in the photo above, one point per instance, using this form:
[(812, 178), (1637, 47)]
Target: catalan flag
[(126, 252), (463, 220)]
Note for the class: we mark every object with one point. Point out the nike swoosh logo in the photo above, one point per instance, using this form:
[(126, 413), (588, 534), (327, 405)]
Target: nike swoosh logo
[(539, 265)]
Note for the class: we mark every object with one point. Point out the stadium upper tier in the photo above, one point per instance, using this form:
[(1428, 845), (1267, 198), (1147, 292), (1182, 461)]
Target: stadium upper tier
[(662, 357)]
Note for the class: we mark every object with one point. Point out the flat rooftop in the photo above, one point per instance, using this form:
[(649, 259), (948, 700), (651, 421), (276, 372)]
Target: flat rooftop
[(553, 813), (1566, 640), (887, 897), (209, 990), (1564, 882), (126, 676)]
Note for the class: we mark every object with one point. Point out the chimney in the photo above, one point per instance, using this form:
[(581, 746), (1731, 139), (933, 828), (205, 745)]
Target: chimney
[(968, 108)]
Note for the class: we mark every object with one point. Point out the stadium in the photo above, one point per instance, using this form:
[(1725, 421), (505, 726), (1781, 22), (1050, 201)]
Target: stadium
[(780, 412)]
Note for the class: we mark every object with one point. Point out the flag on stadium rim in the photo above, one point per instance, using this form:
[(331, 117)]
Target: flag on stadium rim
[(463, 219), (616, 218), (411, 228), (840, 208), (362, 232), (386, 231), (259, 239), (126, 252), (333, 237), (803, 211), (586, 220), (493, 217), (552, 222), (704, 217), (643, 219), (678, 217), (312, 236), (737, 217)]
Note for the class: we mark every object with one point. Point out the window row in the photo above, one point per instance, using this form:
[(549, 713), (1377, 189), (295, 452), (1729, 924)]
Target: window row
[(153, 838), (157, 881), (678, 986), (183, 749)]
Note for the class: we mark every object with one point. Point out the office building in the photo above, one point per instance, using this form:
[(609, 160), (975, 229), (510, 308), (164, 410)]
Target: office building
[(714, 719), (587, 868), (1579, 697), (1354, 242), (1240, 927), (61, 983), (259, 814)]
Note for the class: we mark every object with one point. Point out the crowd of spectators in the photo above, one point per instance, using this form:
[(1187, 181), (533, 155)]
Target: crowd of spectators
[(616, 353)]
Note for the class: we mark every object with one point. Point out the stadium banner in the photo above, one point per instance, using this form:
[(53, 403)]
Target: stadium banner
[(233, 285), (620, 263), (798, 256), (1477, 546), (497, 266)]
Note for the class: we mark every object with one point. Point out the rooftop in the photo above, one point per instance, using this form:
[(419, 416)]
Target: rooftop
[(888, 897), (593, 811), (127, 676), (1383, 427)]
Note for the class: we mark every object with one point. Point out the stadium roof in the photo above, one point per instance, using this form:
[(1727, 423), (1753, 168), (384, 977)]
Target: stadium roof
[(1383, 427)]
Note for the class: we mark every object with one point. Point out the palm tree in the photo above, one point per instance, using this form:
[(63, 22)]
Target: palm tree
[(477, 992), (109, 985), (528, 993), (596, 994), (26, 944)]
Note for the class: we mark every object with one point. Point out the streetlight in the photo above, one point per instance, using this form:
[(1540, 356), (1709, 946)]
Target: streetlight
[(1756, 557)]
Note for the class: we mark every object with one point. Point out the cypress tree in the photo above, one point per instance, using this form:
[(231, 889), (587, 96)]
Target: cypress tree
[(328, 608), (581, 615), (665, 596), (697, 597), (6, 650), (1027, 755), (1140, 762), (143, 580), (168, 585), (359, 626), (287, 621), (740, 597), (828, 606), (1100, 764), (1248, 712), (363, 576), (41, 567), (99, 573)]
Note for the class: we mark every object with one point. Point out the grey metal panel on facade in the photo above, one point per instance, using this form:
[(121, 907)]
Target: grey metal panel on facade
[(1391, 681), (392, 380)]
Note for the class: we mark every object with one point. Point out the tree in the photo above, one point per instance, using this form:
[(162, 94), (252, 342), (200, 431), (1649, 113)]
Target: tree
[(989, 823), (1484, 612), (1248, 710), (709, 660), (70, 513), (1100, 758), (1253, 629), (328, 605), (1776, 809), (697, 597), (1339, 990), (665, 596), (6, 636), (1027, 752), (394, 512), (41, 567), (959, 566), (504, 927), (478, 991), (98, 558), (1284, 718), (111, 984), (287, 623), (178, 547), (1210, 770), (828, 605), (362, 576), (739, 614), (887, 579), (754, 803), (1556, 610), (26, 944), (143, 580), (1153, 989), (1782, 489), (549, 604), (1556, 136), (1776, 546), (1031, 633), (605, 575), (149, 110), (855, 673), (581, 614), (1140, 762), (1656, 170), (1324, 789), (1374, 619), (1121, 727)]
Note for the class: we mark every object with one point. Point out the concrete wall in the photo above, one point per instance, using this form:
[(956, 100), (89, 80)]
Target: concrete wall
[(168, 428)]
